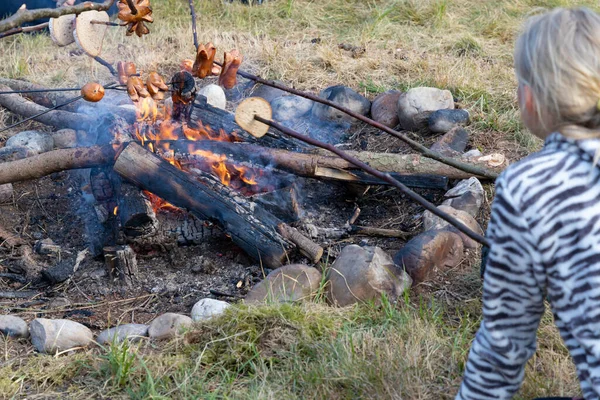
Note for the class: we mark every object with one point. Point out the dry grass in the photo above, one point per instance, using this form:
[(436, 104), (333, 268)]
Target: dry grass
[(414, 350)]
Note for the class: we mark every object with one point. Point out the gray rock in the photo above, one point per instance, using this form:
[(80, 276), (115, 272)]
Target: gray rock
[(14, 327), (363, 274), (433, 222), (344, 96), (118, 334), (208, 308), (466, 196), (36, 142), (51, 336), (442, 121), (14, 153), (289, 283), (65, 139), (168, 326), (415, 106), (267, 92), (385, 108), (215, 96), (452, 143), (472, 154), (287, 108)]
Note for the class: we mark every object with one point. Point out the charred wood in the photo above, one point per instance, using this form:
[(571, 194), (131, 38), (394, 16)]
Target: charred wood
[(249, 225), (121, 264)]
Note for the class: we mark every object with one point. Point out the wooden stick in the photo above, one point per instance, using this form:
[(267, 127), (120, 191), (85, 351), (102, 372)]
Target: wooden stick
[(378, 232), (307, 247), (474, 170), (383, 176), (194, 29), (27, 29), (55, 161), (23, 15)]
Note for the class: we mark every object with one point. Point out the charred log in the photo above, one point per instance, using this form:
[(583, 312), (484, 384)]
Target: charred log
[(249, 225)]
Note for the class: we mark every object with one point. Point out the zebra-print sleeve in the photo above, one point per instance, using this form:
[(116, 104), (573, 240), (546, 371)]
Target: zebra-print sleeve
[(513, 304)]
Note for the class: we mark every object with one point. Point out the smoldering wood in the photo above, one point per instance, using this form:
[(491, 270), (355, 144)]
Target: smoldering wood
[(135, 212), (307, 164), (55, 161), (6, 192), (176, 228), (56, 118), (250, 226), (283, 203), (59, 272), (121, 264)]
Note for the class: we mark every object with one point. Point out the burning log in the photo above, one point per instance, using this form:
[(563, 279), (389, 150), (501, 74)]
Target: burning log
[(251, 227), (121, 264)]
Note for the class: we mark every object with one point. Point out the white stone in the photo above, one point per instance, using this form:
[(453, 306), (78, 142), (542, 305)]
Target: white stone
[(415, 106), (51, 336), (208, 308), (215, 96), (36, 142), (131, 332), (168, 326), (13, 326)]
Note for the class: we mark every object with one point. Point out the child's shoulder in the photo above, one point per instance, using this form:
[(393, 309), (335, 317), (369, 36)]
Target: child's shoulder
[(545, 168)]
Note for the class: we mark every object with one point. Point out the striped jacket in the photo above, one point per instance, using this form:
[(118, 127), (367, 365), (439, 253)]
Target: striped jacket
[(545, 235)]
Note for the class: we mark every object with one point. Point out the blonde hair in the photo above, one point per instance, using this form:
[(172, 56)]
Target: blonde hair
[(558, 57)]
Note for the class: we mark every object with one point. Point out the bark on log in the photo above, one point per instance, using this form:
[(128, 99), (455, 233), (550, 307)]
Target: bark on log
[(309, 249), (121, 264), (55, 161), (283, 203), (250, 226), (57, 118)]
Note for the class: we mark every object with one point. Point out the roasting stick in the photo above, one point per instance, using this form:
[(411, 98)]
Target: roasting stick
[(250, 115), (477, 171), (194, 29)]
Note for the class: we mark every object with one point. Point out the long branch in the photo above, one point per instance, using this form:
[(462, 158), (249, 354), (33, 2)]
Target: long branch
[(24, 15), (194, 29), (381, 175), (477, 171), (26, 29), (56, 161)]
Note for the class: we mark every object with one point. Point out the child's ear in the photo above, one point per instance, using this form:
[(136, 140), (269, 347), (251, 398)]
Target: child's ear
[(528, 101)]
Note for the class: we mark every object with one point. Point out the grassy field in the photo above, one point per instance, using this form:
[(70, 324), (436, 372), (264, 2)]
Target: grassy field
[(412, 350)]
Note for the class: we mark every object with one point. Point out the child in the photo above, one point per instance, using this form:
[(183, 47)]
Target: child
[(545, 224)]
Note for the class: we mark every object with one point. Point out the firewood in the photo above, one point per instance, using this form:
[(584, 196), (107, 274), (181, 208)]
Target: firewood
[(121, 264), (135, 212), (283, 203), (55, 161), (57, 118), (249, 225), (310, 249)]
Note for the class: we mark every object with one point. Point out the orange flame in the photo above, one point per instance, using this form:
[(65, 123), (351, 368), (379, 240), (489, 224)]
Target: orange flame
[(116, 210)]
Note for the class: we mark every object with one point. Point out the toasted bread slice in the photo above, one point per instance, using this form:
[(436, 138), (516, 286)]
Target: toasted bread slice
[(90, 36), (61, 29)]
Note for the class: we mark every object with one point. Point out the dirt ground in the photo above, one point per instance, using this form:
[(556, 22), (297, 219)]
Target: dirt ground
[(173, 280)]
